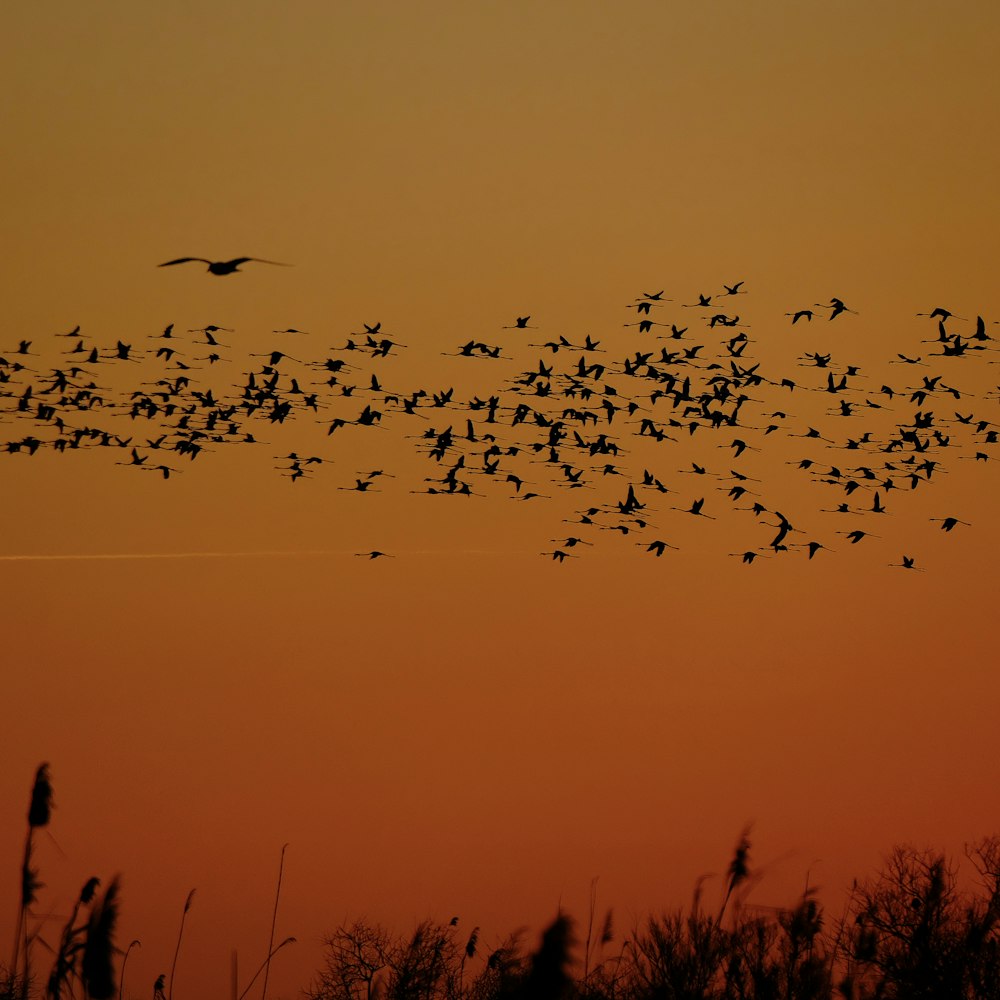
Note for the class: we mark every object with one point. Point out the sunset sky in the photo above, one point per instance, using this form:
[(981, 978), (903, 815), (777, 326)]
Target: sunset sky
[(469, 727)]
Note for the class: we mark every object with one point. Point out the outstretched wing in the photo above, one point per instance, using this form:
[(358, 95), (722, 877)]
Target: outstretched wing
[(259, 260), (183, 260)]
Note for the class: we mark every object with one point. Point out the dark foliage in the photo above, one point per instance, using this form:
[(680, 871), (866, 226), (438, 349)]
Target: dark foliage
[(908, 933)]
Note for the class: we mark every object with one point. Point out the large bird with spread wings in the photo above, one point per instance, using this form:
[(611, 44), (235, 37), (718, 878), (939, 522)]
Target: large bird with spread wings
[(220, 267)]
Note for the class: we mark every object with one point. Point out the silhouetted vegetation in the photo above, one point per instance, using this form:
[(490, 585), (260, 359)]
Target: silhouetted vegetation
[(912, 931), (909, 932), (85, 957), (39, 814)]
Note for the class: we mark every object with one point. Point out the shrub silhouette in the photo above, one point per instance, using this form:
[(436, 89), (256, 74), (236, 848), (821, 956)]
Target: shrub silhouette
[(908, 933), (911, 931)]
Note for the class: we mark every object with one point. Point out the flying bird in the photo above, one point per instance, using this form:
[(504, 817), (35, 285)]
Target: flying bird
[(658, 547), (947, 523), (220, 267), (533, 428), (836, 307)]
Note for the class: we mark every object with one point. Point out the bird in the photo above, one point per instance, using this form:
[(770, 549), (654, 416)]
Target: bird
[(531, 430), (940, 313), (947, 523), (221, 267), (836, 307), (163, 470), (570, 542), (658, 546), (855, 536), (695, 508), (704, 302)]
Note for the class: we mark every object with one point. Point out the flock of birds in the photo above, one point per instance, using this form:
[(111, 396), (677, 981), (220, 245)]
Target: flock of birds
[(635, 434)]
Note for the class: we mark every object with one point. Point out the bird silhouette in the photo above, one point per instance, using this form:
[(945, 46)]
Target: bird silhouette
[(947, 523), (623, 429), (806, 314), (658, 547), (836, 307), (222, 267), (560, 555)]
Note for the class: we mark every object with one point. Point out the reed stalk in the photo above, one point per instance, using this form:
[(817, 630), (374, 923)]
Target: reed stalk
[(271, 954), (121, 982), (39, 814), (177, 950), (274, 918)]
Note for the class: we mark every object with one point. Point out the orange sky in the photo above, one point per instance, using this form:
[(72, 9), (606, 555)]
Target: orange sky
[(470, 728)]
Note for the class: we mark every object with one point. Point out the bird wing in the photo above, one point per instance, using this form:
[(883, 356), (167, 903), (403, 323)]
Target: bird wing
[(183, 260), (259, 260)]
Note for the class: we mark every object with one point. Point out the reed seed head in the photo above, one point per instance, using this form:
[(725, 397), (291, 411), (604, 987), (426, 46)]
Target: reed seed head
[(40, 810), (30, 884), (608, 932), (97, 967), (472, 943), (88, 890)]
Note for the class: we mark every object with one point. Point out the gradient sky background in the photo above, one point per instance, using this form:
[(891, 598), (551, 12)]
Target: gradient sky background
[(469, 728)]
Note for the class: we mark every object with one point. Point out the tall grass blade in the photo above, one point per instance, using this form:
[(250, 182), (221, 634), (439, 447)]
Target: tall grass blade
[(177, 950), (274, 918)]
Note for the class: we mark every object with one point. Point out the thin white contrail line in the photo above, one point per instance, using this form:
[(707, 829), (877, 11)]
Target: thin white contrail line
[(82, 557), (261, 554)]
